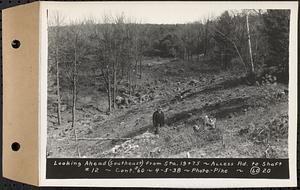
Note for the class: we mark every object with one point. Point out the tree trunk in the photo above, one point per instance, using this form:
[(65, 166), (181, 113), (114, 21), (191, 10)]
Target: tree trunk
[(140, 67), (205, 38), (239, 54), (122, 71), (249, 43), (109, 92), (58, 88), (222, 59), (136, 66), (74, 84), (187, 53), (114, 86), (129, 80), (57, 39)]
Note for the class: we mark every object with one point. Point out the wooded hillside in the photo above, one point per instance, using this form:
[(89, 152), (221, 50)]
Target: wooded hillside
[(119, 64)]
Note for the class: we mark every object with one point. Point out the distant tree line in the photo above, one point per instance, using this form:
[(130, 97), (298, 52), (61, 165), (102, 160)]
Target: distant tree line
[(253, 41)]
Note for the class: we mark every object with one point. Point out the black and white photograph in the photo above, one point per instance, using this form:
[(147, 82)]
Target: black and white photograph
[(151, 94), (168, 80)]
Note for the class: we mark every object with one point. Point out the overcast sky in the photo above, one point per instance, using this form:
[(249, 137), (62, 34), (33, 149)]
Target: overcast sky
[(145, 12), (157, 12)]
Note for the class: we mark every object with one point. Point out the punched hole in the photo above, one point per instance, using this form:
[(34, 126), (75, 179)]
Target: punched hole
[(15, 146), (16, 44)]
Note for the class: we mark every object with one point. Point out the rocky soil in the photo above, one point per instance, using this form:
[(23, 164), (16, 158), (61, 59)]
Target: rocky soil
[(251, 121)]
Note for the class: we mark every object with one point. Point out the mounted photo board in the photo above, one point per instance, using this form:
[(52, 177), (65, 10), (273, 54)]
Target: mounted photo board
[(151, 94)]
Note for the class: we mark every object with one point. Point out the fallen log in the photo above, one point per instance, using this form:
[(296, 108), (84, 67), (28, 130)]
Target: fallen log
[(103, 139), (186, 91), (99, 138)]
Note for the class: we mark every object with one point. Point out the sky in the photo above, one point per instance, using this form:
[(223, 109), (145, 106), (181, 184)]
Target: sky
[(156, 12), (144, 12)]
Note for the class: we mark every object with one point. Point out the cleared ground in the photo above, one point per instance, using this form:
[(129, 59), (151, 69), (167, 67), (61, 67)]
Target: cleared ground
[(252, 121)]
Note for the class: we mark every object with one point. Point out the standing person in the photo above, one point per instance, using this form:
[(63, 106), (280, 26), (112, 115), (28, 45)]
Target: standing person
[(158, 119)]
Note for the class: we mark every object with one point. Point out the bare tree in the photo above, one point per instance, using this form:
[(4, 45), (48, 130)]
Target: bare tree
[(249, 43), (57, 22), (206, 24), (234, 45), (77, 54), (102, 38), (74, 81)]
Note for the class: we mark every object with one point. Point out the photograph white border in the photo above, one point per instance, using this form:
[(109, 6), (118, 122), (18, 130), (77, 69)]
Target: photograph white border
[(175, 182)]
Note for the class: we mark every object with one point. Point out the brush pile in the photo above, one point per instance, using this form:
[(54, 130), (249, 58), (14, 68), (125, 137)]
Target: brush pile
[(274, 129), (268, 79)]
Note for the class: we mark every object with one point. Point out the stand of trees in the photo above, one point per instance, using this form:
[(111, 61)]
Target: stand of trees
[(250, 40)]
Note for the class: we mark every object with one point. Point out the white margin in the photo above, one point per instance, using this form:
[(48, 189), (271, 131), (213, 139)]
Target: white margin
[(43, 90)]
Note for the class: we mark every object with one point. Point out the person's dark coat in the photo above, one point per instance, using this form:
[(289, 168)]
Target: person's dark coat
[(158, 120)]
